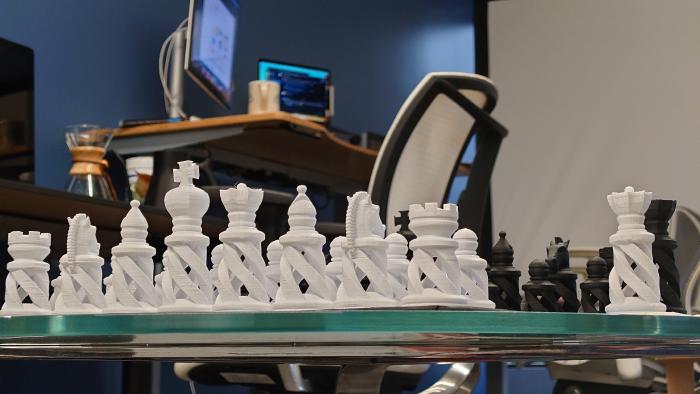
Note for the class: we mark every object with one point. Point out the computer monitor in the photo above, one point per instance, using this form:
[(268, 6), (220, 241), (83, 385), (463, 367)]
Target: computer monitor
[(304, 91), (209, 52)]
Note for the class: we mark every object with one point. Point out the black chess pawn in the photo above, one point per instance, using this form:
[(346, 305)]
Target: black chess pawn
[(606, 254), (561, 275), (595, 289), (540, 293), (505, 293), (656, 222)]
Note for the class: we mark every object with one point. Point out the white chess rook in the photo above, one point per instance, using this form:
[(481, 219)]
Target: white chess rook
[(434, 256), (632, 245), (364, 256), (130, 288), (302, 259), (242, 264), (79, 287), (475, 281), (185, 283), (397, 263), (27, 283)]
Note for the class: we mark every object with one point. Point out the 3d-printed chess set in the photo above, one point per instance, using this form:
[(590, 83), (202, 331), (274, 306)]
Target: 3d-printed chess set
[(366, 270)]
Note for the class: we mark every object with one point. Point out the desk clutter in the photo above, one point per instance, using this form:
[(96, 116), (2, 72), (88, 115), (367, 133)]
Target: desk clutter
[(439, 268)]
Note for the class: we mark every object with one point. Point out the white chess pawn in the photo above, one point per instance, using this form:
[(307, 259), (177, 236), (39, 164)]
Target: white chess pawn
[(274, 255), (132, 268), (28, 274), (364, 256), (632, 245), (217, 254), (185, 283), (80, 287), (397, 263), (242, 264), (475, 281), (334, 269), (302, 259), (434, 277)]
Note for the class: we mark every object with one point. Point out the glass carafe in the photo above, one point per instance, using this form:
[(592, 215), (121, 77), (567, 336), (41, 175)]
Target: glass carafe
[(87, 145)]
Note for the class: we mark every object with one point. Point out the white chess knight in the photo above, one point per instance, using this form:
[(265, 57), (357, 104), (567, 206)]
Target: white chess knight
[(242, 264), (274, 255), (302, 259), (79, 287), (185, 283), (27, 283), (632, 245), (475, 281), (334, 269), (434, 277), (397, 263), (364, 256), (130, 288)]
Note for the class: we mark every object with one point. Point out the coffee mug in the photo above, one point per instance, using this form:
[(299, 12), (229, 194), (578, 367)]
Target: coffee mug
[(263, 97)]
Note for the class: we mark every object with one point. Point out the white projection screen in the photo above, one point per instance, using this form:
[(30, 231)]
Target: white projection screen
[(597, 95)]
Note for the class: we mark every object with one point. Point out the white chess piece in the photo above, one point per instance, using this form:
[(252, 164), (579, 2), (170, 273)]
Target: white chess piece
[(80, 285), (217, 254), (302, 259), (132, 268), (183, 291), (434, 256), (475, 281), (274, 255), (397, 263), (632, 245), (28, 274), (334, 269), (364, 256), (242, 263)]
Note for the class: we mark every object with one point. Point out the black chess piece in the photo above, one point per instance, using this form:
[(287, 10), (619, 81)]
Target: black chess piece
[(606, 254), (402, 221), (540, 294), (663, 249), (505, 293), (561, 275), (595, 290)]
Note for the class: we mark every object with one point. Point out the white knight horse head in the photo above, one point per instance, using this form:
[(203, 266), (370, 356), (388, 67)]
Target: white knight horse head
[(82, 237), (362, 219)]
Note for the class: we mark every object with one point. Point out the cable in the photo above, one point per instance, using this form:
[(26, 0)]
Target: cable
[(164, 65)]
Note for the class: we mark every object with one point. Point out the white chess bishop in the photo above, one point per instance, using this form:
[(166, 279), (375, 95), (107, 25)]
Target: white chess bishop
[(364, 256), (79, 287), (397, 263), (185, 283), (130, 288), (632, 245), (475, 281), (334, 269), (27, 283), (274, 255), (302, 259), (434, 277), (242, 264)]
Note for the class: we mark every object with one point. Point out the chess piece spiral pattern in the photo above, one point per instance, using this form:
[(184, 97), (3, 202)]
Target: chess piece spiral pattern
[(561, 275), (132, 268), (540, 293), (632, 245), (434, 277), (242, 264), (303, 260), (185, 283), (27, 282), (656, 221), (334, 269), (397, 263), (79, 289), (364, 257), (475, 281), (594, 290), (504, 277)]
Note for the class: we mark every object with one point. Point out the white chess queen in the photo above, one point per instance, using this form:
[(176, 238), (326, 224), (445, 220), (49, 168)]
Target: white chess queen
[(27, 283), (365, 256)]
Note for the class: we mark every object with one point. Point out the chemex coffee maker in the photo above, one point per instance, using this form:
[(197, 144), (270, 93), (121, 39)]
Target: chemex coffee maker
[(87, 145)]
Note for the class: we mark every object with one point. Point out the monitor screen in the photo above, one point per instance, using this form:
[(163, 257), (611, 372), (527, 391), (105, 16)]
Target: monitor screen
[(303, 90), (210, 46)]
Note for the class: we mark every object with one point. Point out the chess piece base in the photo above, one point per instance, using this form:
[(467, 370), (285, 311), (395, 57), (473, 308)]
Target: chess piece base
[(184, 306), (25, 310), (302, 305), (243, 303), (481, 304), (78, 311), (120, 309), (370, 300), (634, 305), (433, 297)]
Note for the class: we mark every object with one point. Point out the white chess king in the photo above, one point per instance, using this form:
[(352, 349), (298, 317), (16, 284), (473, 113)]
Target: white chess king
[(27, 283), (302, 259), (242, 264), (364, 257), (185, 283), (475, 281), (130, 288), (434, 277), (632, 245)]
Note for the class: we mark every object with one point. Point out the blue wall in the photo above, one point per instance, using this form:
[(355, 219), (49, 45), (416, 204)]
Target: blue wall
[(96, 60)]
